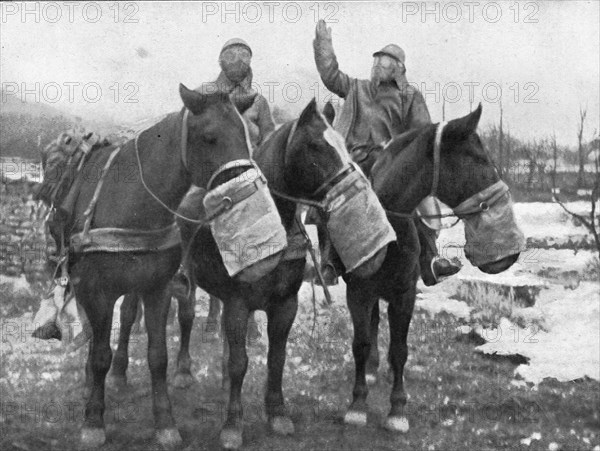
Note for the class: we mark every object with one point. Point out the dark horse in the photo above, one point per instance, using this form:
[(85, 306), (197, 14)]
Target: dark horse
[(451, 163), (164, 165), (300, 160)]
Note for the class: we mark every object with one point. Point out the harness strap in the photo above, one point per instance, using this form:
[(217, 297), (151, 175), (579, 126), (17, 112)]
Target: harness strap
[(241, 163), (483, 200), (184, 136), (89, 213), (437, 144), (334, 180)]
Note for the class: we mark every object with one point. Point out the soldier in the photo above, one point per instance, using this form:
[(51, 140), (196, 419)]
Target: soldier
[(375, 111), (236, 80)]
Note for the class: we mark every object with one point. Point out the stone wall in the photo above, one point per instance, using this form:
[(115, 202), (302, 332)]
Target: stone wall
[(24, 246)]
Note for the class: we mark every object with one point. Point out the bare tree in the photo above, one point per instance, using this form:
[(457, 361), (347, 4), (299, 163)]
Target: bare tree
[(554, 160), (590, 220), (580, 148)]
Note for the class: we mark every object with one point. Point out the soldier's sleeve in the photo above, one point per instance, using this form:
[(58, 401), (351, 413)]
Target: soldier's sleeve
[(265, 120), (333, 78), (418, 114)]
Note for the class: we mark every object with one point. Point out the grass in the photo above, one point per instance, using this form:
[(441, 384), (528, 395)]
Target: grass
[(459, 399)]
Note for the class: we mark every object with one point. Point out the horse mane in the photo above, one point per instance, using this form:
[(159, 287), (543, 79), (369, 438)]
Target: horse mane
[(271, 155)]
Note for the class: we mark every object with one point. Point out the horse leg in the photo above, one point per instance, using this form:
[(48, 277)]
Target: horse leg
[(212, 321), (89, 378), (399, 312), (225, 382), (129, 310), (373, 360), (99, 311), (253, 329), (156, 310), (183, 376), (361, 306), (235, 321), (280, 317)]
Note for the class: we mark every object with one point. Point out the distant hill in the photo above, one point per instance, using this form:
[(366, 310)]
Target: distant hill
[(27, 127)]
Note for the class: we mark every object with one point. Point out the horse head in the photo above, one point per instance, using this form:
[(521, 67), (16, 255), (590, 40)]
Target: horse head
[(462, 176), (315, 153), (216, 135), (318, 168)]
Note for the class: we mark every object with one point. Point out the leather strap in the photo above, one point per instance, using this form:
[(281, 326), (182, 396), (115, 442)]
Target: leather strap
[(437, 145), (89, 213)]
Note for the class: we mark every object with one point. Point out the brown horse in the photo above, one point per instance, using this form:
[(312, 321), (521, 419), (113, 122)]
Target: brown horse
[(449, 162), (303, 161), (143, 186)]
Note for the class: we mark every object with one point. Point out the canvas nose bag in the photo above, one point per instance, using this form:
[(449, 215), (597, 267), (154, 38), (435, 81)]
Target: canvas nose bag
[(356, 221), (491, 234), (247, 227)]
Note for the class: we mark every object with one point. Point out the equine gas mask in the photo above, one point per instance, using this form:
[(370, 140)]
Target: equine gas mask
[(357, 223), (491, 231), (246, 225)]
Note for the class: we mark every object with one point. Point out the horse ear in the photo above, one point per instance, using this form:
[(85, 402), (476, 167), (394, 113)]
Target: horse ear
[(329, 113), (193, 101), (309, 112), (243, 101), (460, 129)]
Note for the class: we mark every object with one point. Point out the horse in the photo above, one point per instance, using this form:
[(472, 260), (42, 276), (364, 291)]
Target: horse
[(447, 161), (304, 161), (123, 237)]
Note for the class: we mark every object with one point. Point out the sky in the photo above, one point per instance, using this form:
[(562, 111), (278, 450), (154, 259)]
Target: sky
[(124, 61)]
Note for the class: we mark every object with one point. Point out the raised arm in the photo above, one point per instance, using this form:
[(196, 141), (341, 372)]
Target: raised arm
[(333, 78)]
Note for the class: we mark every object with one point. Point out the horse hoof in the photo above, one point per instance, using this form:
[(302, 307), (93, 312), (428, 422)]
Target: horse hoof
[(168, 438), (356, 418), (371, 379), (183, 380), (92, 438), (282, 425), (231, 438), (396, 424)]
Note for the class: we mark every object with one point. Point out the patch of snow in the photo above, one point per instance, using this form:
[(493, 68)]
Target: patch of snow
[(436, 301), (568, 350)]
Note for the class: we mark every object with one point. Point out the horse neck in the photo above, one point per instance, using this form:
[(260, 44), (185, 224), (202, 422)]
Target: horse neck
[(415, 172), (159, 153), (270, 157)]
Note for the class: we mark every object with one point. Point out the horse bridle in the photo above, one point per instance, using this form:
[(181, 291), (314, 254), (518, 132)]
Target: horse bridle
[(220, 170), (466, 207), (323, 189)]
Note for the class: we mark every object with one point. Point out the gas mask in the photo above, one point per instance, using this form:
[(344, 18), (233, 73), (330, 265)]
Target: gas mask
[(235, 62)]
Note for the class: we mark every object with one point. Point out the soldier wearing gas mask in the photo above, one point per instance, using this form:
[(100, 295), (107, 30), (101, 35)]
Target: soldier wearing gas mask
[(374, 112)]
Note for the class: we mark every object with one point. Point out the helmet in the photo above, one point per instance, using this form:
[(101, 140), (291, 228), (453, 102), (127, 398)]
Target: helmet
[(236, 41), (393, 51)]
